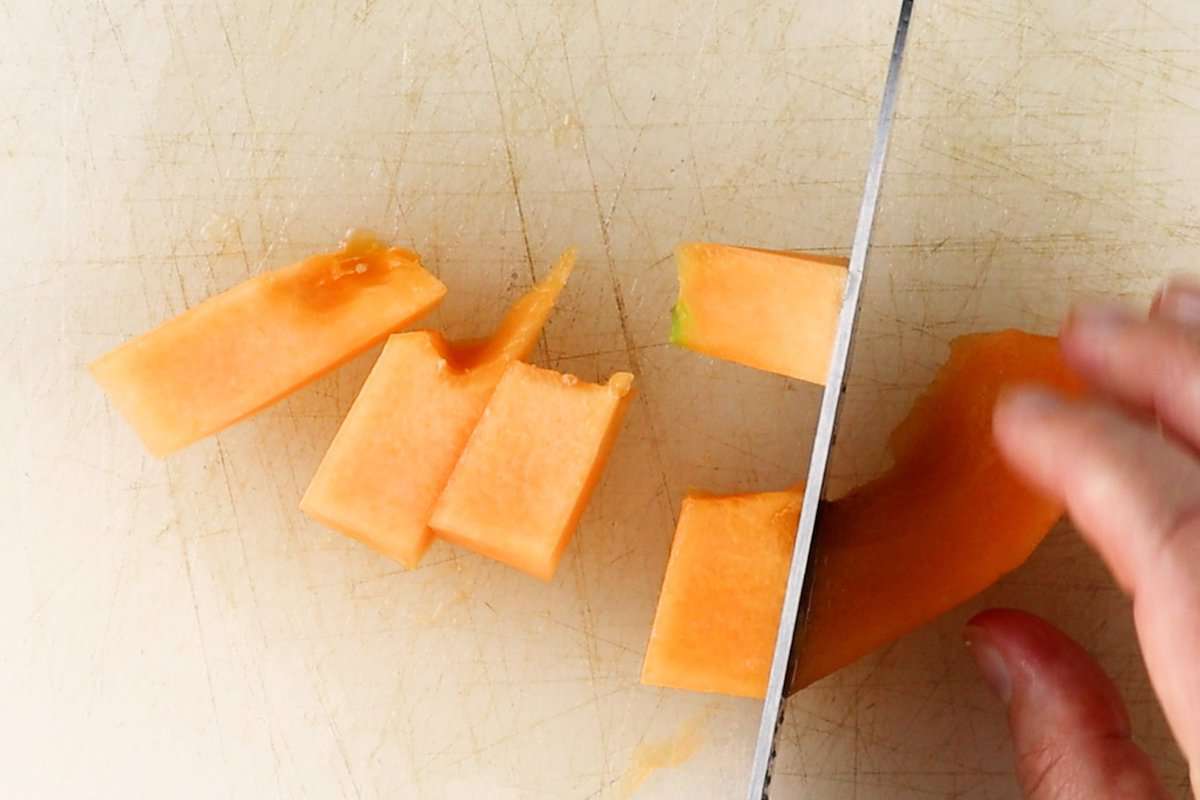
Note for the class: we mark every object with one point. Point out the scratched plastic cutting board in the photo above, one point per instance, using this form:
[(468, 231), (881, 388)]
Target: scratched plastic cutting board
[(179, 629)]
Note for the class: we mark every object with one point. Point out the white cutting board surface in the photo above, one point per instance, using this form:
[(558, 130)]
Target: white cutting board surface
[(178, 629)]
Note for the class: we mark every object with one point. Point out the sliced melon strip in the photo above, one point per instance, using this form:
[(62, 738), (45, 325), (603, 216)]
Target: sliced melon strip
[(397, 446), (242, 350), (775, 311), (529, 467)]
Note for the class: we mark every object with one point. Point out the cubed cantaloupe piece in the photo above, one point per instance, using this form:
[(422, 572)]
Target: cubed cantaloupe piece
[(944, 523), (530, 465), (772, 310), (242, 350), (719, 608), (398, 444)]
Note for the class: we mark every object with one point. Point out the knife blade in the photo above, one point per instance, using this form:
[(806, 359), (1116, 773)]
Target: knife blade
[(835, 386)]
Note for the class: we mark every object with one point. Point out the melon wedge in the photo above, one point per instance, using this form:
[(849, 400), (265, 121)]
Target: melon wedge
[(943, 524), (240, 351), (723, 591), (775, 311), (528, 469), (396, 448)]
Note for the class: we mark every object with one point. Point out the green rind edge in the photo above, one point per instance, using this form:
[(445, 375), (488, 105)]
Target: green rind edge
[(680, 319)]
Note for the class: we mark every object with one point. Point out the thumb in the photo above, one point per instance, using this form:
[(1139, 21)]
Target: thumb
[(1069, 725)]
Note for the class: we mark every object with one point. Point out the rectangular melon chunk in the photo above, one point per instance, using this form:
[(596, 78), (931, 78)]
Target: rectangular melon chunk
[(396, 448), (242, 350), (529, 467), (775, 311), (718, 613)]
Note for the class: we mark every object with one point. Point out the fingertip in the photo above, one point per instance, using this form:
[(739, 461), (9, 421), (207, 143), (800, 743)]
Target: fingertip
[(1028, 425), (1048, 671), (1070, 729), (989, 660), (1020, 411), (1098, 317), (1019, 632), (1029, 401), (1000, 630), (1090, 331), (993, 617), (1014, 631), (1020, 637), (1178, 301)]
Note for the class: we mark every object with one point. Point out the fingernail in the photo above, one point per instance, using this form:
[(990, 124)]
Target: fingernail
[(1100, 319), (1031, 400), (991, 664), (1180, 300)]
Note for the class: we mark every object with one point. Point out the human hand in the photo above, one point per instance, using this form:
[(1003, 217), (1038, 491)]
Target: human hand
[(1126, 463)]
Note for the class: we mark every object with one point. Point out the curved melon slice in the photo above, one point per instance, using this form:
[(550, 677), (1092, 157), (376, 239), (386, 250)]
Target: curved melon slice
[(240, 351), (398, 445), (944, 523), (772, 310)]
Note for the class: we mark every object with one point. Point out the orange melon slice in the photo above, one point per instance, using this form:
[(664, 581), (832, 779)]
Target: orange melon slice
[(240, 351), (943, 524), (528, 469), (398, 444), (775, 311), (719, 609)]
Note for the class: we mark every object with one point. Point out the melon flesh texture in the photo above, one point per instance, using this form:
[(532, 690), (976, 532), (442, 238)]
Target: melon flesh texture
[(525, 476), (240, 351), (775, 311), (398, 445), (943, 524), (723, 591)]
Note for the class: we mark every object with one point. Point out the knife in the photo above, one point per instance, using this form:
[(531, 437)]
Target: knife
[(835, 385)]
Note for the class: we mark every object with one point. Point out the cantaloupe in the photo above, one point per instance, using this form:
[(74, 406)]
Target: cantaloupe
[(398, 444), (722, 594), (528, 469), (242, 350), (944, 523), (775, 311)]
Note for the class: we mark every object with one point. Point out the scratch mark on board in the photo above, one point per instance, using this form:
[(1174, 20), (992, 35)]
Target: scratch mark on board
[(630, 345), (512, 170)]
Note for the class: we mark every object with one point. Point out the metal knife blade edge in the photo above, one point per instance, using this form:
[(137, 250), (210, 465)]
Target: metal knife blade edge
[(772, 713)]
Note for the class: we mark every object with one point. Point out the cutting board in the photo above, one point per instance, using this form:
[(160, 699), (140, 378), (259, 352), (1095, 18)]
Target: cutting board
[(178, 629)]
